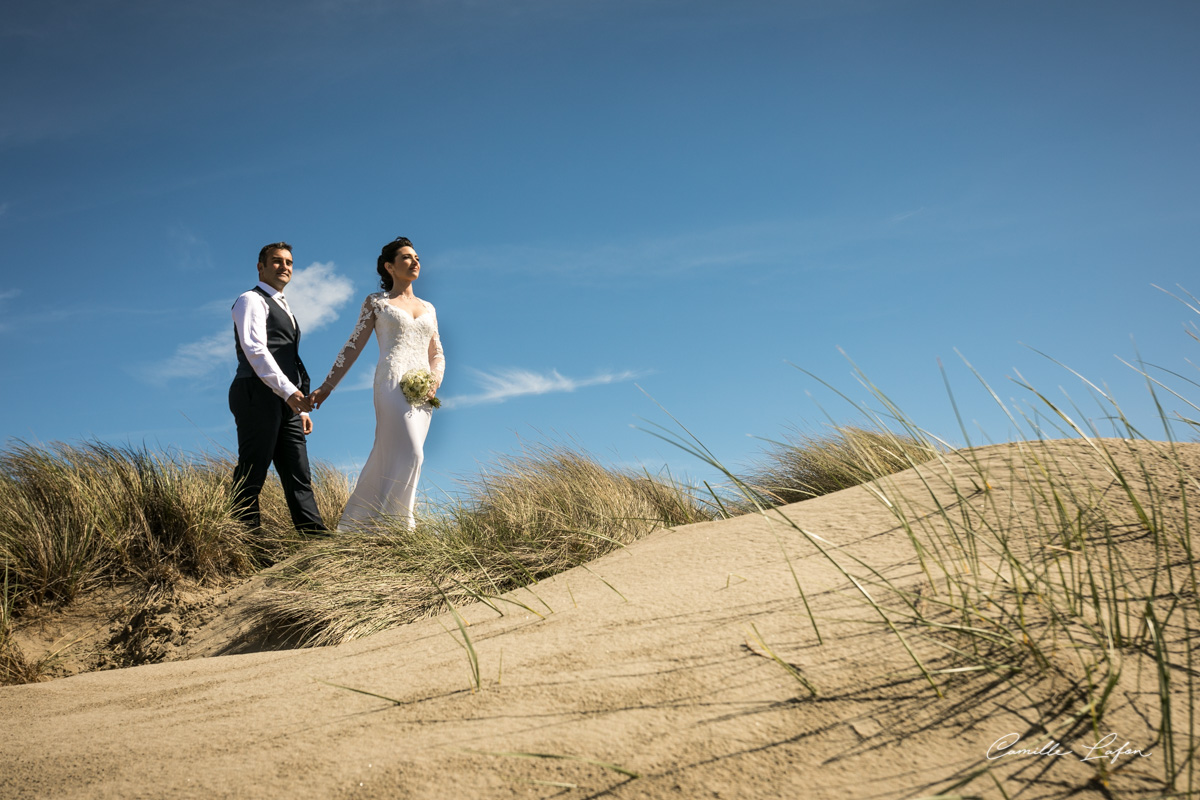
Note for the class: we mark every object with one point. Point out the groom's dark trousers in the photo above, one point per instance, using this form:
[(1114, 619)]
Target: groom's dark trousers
[(269, 431)]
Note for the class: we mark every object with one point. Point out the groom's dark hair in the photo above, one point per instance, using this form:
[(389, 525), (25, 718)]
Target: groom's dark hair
[(268, 249), (387, 256)]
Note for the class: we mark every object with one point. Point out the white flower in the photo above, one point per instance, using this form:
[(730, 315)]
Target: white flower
[(416, 385)]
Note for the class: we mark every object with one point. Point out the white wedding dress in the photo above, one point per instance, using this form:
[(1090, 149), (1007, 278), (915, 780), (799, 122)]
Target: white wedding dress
[(387, 485)]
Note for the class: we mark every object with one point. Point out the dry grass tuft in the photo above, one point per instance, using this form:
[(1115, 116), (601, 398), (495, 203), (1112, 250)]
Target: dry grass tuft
[(1082, 567), (809, 465), (529, 517), (73, 516), (14, 666)]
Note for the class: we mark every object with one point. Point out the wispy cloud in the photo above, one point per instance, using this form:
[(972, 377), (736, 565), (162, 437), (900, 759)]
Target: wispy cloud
[(4, 207), (757, 250), (658, 256), (897, 218), (315, 294), (813, 243), (7, 294), (362, 380), (189, 252), (195, 359), (505, 384)]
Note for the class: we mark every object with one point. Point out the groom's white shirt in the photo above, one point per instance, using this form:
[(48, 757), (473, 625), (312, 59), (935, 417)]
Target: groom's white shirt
[(250, 320)]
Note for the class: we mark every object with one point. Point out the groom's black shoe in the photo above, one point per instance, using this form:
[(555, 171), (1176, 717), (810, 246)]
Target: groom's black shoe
[(317, 534)]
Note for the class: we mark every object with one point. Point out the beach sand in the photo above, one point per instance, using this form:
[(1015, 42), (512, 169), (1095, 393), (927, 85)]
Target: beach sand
[(655, 659)]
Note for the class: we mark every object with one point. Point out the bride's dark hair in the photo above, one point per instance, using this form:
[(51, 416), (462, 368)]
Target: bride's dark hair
[(387, 256)]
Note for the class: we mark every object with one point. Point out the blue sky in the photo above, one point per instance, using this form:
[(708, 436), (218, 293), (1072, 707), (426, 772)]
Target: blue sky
[(678, 196)]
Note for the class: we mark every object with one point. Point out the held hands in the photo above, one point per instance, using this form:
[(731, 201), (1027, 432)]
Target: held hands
[(299, 404), (318, 396)]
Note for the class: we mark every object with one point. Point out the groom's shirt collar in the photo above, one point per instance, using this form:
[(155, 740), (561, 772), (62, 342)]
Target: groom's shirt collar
[(250, 323), (280, 300), (268, 288)]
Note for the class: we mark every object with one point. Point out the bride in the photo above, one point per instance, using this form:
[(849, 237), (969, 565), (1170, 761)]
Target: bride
[(407, 331)]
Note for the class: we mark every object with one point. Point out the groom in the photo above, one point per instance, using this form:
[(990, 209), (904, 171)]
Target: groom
[(268, 396)]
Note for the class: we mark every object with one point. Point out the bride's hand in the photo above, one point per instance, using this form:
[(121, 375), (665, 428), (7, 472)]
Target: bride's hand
[(318, 396)]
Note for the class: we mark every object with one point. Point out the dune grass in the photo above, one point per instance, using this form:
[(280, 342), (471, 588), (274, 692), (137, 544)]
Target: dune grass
[(77, 516), (14, 666), (73, 517), (806, 465), (526, 518), (1093, 577), (1075, 561), (1072, 559)]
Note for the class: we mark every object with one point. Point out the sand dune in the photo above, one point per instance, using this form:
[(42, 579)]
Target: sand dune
[(647, 660)]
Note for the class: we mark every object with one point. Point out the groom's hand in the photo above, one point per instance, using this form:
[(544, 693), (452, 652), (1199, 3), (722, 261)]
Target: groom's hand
[(298, 403), (306, 424)]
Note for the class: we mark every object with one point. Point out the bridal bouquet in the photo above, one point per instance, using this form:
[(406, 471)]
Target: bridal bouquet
[(416, 384)]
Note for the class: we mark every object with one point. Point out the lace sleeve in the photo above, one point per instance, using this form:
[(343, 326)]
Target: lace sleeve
[(437, 357), (349, 352)]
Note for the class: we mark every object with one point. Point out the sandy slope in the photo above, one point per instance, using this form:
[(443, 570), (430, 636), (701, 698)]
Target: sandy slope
[(658, 674)]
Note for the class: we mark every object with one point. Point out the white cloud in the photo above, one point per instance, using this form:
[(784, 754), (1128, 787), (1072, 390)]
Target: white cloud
[(196, 359), (315, 294), (504, 384)]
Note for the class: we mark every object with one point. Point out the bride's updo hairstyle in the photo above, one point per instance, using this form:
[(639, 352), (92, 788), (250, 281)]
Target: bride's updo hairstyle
[(387, 256)]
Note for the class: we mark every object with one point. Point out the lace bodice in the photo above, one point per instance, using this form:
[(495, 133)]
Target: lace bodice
[(404, 342)]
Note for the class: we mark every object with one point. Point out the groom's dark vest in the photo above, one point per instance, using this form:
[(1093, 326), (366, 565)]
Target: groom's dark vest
[(283, 342)]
